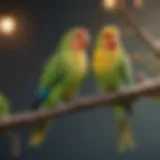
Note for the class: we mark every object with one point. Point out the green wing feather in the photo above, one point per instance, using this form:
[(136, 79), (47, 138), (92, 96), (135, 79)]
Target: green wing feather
[(4, 105), (53, 72), (125, 70), (123, 109)]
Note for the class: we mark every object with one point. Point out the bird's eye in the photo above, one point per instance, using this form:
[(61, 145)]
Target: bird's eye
[(80, 36)]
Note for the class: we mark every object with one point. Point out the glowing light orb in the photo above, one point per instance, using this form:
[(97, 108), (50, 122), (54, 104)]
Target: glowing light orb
[(138, 3), (7, 25), (109, 4)]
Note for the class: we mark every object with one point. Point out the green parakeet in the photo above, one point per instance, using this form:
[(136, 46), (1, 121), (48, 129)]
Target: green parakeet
[(113, 72), (4, 105), (62, 76)]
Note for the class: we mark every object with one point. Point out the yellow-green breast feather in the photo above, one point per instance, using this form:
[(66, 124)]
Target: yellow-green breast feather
[(107, 68), (105, 61), (78, 63)]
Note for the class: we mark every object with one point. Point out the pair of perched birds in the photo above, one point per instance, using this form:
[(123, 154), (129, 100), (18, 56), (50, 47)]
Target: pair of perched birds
[(66, 68)]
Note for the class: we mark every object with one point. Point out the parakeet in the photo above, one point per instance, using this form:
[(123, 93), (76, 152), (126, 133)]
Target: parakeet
[(62, 76), (113, 72), (4, 105)]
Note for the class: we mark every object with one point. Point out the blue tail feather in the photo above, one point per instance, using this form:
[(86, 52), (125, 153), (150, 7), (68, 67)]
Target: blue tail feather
[(41, 96)]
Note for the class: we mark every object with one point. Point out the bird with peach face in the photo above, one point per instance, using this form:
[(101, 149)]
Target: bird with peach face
[(62, 76)]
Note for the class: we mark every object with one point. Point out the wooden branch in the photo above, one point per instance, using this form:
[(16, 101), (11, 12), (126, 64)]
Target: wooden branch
[(138, 31), (148, 88)]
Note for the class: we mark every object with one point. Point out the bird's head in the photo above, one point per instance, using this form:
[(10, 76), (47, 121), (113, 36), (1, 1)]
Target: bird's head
[(109, 38), (77, 39)]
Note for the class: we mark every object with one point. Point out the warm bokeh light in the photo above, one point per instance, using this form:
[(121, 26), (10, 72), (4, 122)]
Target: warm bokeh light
[(138, 3), (109, 4), (7, 25)]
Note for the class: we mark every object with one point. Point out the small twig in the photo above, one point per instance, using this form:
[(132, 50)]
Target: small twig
[(121, 8)]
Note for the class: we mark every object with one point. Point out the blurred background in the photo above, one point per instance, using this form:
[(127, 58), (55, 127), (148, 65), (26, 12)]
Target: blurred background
[(89, 135)]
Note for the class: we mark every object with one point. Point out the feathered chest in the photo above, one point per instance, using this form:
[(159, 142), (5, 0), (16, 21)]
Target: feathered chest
[(78, 63), (105, 61)]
